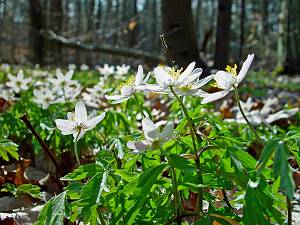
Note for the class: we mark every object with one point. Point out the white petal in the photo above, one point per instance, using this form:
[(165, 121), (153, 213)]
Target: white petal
[(127, 91), (224, 80), (214, 96), (80, 112), (69, 75), (138, 145), (187, 72), (76, 136), (162, 77), (149, 129), (65, 126), (59, 74), (93, 122), (139, 76), (202, 82), (71, 116), (282, 114), (167, 131), (245, 68), (20, 75), (113, 97)]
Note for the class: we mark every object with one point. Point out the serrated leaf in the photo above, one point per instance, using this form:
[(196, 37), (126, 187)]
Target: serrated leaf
[(266, 154), (7, 147), (141, 191), (54, 211), (83, 172), (181, 163), (281, 168)]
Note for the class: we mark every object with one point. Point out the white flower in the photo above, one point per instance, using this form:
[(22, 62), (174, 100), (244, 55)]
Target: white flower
[(95, 95), (129, 87), (84, 67), (79, 123), (122, 70), (6, 93), (69, 93), (5, 67), (263, 115), (106, 70), (44, 97), (154, 138), (62, 81), (72, 66), (18, 83), (183, 83), (40, 73), (228, 80)]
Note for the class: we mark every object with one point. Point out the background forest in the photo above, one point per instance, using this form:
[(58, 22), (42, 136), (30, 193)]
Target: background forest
[(93, 31)]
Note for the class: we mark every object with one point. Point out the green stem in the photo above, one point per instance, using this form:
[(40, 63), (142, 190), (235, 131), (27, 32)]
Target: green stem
[(176, 195), (138, 103), (76, 149), (289, 207), (199, 206), (245, 117)]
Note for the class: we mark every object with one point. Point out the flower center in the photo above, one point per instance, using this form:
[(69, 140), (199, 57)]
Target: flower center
[(128, 82), (232, 70), (175, 73)]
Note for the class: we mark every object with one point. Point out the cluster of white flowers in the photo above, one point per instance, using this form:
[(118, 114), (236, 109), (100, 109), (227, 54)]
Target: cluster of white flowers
[(267, 114), (118, 71)]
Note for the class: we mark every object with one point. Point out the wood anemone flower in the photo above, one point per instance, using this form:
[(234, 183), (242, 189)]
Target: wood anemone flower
[(79, 123), (227, 80)]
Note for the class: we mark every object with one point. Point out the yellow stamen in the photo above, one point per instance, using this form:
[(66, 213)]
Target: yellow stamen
[(128, 82), (175, 72), (232, 70)]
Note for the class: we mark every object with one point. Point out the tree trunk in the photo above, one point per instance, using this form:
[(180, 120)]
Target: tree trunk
[(37, 25), (179, 33), (223, 34), (55, 24), (292, 60), (242, 30)]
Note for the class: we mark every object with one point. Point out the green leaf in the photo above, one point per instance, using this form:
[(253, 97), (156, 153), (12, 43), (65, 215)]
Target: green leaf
[(7, 147), (141, 191), (82, 172), (54, 211), (267, 152), (245, 158), (30, 189), (181, 163), (259, 205), (281, 168)]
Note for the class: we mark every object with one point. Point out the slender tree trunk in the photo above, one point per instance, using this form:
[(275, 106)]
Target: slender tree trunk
[(54, 52), (292, 60), (133, 24), (179, 32), (242, 30), (37, 26), (223, 34)]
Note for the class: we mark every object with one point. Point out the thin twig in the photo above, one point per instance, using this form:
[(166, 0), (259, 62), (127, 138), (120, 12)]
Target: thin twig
[(44, 146)]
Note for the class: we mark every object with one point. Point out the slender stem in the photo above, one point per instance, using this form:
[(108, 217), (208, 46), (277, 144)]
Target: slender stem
[(44, 146), (138, 103), (176, 196), (289, 207), (199, 206), (245, 117), (76, 149)]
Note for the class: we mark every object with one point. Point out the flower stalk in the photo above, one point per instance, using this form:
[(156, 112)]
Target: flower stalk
[(76, 149), (236, 93), (199, 206)]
